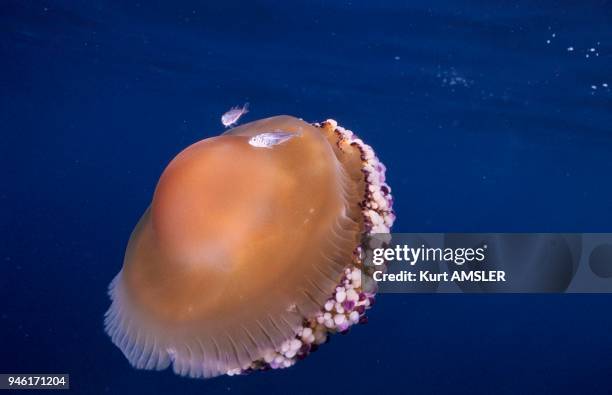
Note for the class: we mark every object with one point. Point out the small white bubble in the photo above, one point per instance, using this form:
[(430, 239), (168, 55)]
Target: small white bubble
[(397, 58), (592, 49), (547, 41), (593, 86), (554, 35), (570, 49), (604, 85)]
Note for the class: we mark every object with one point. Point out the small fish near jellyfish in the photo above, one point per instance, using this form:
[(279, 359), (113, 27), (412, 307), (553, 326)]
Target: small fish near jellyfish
[(270, 139), (232, 115), (250, 264)]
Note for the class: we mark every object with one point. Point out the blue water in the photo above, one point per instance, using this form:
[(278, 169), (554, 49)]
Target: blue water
[(483, 125)]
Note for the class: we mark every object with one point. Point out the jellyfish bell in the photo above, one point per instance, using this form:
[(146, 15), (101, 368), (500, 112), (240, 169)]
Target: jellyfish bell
[(248, 256)]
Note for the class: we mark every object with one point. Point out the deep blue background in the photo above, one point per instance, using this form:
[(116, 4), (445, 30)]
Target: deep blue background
[(483, 125)]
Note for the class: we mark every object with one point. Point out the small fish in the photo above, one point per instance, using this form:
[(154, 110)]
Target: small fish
[(233, 115), (270, 139)]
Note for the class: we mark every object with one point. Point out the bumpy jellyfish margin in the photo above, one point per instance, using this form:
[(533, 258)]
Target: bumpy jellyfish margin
[(349, 302)]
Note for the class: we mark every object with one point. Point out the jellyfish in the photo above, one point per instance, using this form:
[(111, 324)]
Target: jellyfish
[(250, 254)]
